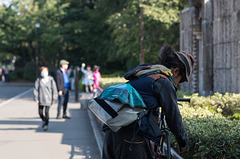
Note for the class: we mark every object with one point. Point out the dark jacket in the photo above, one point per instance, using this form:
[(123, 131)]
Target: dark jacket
[(60, 81), (160, 93)]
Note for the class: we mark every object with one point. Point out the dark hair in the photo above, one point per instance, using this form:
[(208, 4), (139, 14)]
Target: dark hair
[(168, 58), (95, 67)]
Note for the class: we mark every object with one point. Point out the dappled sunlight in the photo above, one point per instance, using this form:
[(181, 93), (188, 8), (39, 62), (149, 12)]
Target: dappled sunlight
[(210, 133)]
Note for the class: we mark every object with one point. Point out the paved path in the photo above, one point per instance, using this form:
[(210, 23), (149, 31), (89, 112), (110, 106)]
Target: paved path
[(21, 136), (9, 90)]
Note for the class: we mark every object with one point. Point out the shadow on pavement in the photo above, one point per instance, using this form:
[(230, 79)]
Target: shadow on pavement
[(77, 132)]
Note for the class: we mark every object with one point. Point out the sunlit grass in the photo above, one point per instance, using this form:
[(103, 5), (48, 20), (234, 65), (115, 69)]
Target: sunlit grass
[(108, 81)]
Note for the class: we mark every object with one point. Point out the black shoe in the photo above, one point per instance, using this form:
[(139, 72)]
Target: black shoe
[(45, 128), (43, 124), (66, 117), (58, 117)]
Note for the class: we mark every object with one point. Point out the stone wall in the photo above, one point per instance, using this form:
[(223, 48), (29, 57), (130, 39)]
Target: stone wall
[(216, 45), (186, 40)]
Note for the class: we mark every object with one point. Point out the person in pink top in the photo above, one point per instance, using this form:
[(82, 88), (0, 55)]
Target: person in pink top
[(96, 79)]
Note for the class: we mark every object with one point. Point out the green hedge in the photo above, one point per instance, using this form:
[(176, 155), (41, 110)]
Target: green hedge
[(210, 135), (213, 131), (227, 104)]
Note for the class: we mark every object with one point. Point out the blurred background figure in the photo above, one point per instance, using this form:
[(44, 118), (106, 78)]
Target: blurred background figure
[(87, 79), (6, 74), (1, 73), (96, 79), (45, 93), (63, 87), (71, 76)]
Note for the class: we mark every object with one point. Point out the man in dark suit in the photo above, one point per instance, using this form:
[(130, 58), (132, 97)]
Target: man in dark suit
[(63, 87)]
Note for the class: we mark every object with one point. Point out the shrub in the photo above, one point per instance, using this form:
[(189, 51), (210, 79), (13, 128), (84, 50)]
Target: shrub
[(210, 135), (81, 86), (17, 74), (235, 116), (227, 104), (30, 71)]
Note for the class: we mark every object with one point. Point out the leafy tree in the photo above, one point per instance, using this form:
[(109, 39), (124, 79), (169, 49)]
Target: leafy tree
[(18, 32), (106, 32), (161, 26)]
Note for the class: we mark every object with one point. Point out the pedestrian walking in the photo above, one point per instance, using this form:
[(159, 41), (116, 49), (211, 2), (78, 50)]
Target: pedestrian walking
[(87, 79), (71, 76), (157, 84), (1, 73), (96, 79), (63, 87), (45, 93), (6, 74)]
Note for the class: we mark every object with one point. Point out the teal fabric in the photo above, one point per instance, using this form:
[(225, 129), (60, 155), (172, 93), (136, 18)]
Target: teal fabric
[(125, 93)]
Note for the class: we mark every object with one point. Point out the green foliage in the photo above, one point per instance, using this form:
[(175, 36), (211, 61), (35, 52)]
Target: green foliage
[(235, 116), (210, 123), (81, 87), (16, 74), (161, 25), (30, 71), (18, 32), (210, 135), (227, 104), (181, 94), (108, 81), (104, 32)]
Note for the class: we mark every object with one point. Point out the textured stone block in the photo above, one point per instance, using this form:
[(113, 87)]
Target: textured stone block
[(207, 10), (236, 5), (207, 31), (216, 12), (217, 56), (217, 31)]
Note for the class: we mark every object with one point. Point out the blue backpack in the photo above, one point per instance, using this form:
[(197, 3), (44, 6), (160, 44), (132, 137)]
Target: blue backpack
[(118, 106)]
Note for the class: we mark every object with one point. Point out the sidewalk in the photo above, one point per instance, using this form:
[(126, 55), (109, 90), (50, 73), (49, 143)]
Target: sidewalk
[(21, 135)]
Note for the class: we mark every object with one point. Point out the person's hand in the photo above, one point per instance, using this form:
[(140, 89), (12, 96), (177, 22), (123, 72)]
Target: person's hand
[(182, 151), (60, 93), (153, 146), (53, 102), (37, 101), (83, 64)]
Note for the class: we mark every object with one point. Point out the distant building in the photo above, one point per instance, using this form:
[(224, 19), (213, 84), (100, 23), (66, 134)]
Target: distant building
[(210, 31)]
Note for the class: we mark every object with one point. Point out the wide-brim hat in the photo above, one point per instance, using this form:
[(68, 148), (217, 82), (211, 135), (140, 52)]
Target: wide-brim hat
[(188, 61), (64, 62)]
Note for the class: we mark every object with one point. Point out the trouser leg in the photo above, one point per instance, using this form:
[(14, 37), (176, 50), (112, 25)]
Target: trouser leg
[(116, 146), (65, 103), (60, 103), (47, 108), (40, 112), (108, 146)]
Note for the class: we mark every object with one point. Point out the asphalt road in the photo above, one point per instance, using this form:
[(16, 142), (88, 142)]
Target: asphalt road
[(22, 137), (9, 90)]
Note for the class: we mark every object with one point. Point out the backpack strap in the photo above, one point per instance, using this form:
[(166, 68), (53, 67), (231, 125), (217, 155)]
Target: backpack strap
[(157, 76), (106, 107), (136, 127)]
